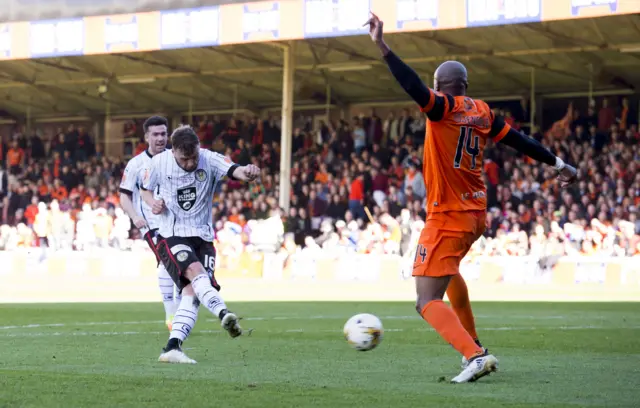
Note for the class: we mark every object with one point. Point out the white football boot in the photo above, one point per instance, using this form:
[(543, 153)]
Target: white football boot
[(477, 368), (175, 356), (465, 362), (230, 324)]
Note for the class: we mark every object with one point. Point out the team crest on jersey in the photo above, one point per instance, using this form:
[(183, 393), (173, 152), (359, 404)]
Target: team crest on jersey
[(201, 175), (187, 197), (469, 105), (182, 256)]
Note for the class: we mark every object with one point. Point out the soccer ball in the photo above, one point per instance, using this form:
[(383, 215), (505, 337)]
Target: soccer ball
[(363, 331)]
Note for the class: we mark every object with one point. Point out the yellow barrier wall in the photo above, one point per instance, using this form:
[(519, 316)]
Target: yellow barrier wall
[(114, 276)]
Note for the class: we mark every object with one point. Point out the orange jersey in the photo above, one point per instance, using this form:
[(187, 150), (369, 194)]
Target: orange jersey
[(457, 130)]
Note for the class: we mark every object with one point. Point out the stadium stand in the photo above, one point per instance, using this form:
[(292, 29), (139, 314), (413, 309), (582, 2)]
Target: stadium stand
[(60, 190)]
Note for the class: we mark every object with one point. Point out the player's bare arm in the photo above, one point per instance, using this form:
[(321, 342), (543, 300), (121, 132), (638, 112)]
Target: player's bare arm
[(126, 203), (127, 188), (246, 173), (567, 174), (157, 206)]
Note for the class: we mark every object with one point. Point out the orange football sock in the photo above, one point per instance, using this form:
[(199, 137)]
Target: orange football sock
[(458, 295), (442, 318)]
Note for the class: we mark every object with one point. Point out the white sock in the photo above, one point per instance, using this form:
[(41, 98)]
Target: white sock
[(185, 318), (208, 295), (165, 283)]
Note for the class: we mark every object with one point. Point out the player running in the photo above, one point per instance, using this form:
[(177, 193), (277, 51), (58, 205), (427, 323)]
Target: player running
[(155, 134), (458, 128), (186, 179)]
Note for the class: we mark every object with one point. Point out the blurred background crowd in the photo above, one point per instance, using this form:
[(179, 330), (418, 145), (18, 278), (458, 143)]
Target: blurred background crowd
[(356, 187)]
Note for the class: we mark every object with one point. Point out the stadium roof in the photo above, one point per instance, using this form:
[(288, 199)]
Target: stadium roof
[(563, 56)]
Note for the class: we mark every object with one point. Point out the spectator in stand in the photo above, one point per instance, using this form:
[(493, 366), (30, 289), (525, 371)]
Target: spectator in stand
[(415, 180), (606, 116), (337, 168), (15, 158), (359, 136), (356, 197)]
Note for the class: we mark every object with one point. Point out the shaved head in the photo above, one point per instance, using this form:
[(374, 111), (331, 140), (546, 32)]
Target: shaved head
[(451, 78)]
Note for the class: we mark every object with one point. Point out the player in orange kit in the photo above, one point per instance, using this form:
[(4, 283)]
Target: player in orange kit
[(458, 128)]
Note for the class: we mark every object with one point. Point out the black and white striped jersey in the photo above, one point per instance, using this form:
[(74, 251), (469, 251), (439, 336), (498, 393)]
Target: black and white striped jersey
[(188, 196)]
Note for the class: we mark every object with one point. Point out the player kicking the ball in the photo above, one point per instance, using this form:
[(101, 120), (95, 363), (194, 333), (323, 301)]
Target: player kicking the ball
[(186, 178), (458, 128), (155, 134)]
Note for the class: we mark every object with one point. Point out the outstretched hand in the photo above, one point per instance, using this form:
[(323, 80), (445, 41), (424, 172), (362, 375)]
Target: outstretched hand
[(140, 222), (567, 176), (251, 172), (375, 28), (158, 207)]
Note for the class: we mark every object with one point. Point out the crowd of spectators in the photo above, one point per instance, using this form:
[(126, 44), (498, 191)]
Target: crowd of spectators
[(62, 191)]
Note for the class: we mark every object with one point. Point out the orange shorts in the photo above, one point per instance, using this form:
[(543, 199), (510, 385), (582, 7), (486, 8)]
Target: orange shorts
[(445, 240)]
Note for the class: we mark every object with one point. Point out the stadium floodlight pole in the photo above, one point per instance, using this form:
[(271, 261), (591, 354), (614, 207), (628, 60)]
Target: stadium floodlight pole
[(532, 101), (287, 125)]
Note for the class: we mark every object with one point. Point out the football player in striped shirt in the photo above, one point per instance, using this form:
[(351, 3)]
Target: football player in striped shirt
[(186, 178), (156, 135)]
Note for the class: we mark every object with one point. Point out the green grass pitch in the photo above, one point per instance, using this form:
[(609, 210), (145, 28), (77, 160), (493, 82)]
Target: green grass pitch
[(104, 355)]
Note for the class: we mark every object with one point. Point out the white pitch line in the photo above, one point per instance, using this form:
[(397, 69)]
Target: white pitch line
[(258, 318), (135, 333), (34, 326)]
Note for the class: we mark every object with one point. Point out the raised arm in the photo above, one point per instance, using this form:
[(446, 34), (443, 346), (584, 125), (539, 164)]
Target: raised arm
[(431, 103)]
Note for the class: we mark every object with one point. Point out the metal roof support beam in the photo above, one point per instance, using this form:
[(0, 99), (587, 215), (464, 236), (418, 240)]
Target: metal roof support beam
[(11, 98), (334, 44), (109, 80), (485, 63), (55, 65), (302, 80), (327, 81), (186, 72), (51, 90), (189, 73), (196, 79), (605, 75), (585, 94), (178, 73)]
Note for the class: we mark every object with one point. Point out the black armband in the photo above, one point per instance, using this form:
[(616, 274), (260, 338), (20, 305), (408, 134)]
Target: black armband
[(231, 170)]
